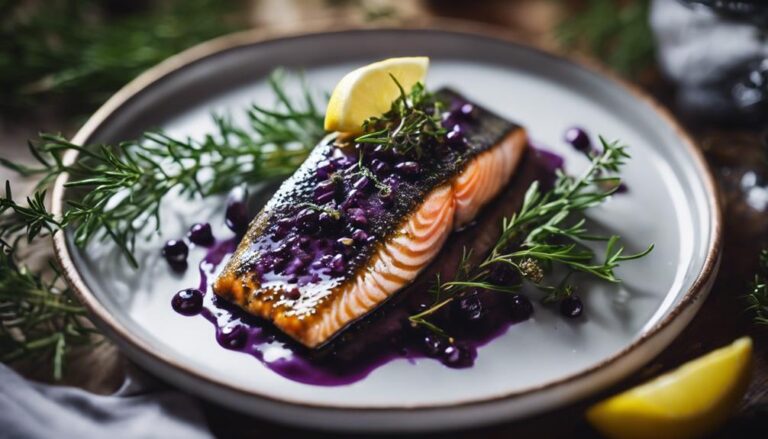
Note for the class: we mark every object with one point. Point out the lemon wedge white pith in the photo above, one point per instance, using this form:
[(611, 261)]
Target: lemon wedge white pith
[(370, 90)]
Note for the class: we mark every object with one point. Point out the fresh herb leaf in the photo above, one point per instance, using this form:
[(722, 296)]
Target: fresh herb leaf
[(413, 121), (39, 318), (124, 185), (549, 230), (757, 299)]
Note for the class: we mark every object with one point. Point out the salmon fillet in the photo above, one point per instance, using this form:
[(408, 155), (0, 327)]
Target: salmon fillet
[(404, 237)]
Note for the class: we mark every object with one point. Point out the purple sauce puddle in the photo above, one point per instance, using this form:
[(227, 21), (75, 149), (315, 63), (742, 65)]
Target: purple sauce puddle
[(384, 336), (238, 330)]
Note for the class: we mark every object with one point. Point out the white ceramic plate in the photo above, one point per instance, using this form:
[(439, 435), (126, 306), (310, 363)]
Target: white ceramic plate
[(537, 365)]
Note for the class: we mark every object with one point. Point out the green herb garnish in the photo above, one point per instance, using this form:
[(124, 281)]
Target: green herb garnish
[(757, 299), (123, 185), (411, 123), (39, 318), (548, 231)]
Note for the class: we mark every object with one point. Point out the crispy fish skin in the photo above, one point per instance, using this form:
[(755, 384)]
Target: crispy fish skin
[(396, 260)]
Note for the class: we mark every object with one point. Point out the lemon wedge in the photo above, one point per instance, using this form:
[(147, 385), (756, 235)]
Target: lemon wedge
[(370, 90), (687, 402)]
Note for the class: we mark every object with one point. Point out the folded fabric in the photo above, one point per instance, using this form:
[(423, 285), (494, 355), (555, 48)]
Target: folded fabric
[(32, 410)]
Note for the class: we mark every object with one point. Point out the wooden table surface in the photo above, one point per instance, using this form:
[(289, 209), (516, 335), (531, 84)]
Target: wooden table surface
[(722, 317)]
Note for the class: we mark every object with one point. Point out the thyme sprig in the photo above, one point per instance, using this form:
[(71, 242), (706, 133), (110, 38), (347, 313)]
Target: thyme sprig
[(548, 231), (757, 298), (124, 185), (413, 121)]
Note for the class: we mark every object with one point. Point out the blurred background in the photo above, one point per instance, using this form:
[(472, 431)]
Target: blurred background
[(60, 59), (706, 60)]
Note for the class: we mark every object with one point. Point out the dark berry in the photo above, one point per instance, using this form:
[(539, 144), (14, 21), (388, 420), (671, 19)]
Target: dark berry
[(382, 152), (352, 197), (467, 110), (503, 275), (338, 264), (434, 345), (285, 222), (362, 183), (469, 308), (387, 198), (344, 243), (305, 242), (325, 191), (201, 234), (296, 266), (232, 337), (520, 308), (325, 168), (457, 355), (357, 216), (455, 138), (279, 263), (324, 197), (188, 302), (409, 168), (345, 162), (571, 306), (307, 220), (175, 251), (283, 249), (236, 216), (359, 235), (579, 139), (380, 167), (328, 223)]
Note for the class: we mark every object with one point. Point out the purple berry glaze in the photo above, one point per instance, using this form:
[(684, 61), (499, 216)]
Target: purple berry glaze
[(312, 245)]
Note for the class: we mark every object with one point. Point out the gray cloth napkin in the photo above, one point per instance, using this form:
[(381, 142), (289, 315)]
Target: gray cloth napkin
[(32, 410)]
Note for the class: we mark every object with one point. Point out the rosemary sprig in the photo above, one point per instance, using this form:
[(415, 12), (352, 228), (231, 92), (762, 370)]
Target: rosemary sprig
[(410, 124), (39, 318), (548, 231), (757, 299), (124, 185)]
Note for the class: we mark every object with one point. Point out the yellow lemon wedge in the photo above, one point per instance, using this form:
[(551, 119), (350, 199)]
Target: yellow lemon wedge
[(370, 90), (687, 402)]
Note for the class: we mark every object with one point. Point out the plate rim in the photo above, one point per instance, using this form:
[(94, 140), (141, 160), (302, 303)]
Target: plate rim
[(109, 324)]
